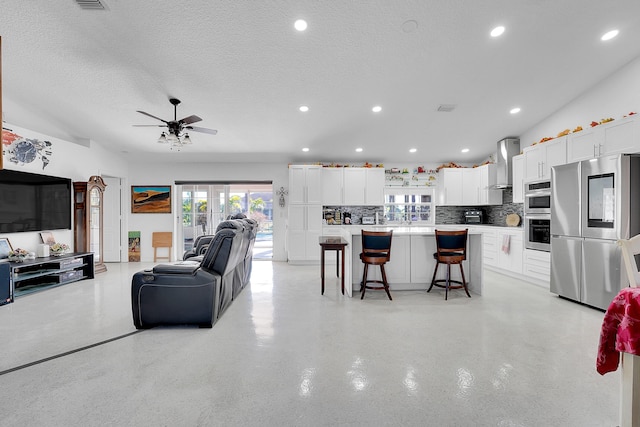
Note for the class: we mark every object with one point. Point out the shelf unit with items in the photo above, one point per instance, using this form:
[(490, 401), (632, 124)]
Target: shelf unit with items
[(409, 205), (43, 273), (419, 177)]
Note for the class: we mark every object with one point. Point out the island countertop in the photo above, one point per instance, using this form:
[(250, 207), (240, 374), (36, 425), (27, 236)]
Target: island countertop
[(412, 264)]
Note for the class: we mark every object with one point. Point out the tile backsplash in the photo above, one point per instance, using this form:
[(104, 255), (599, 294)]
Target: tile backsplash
[(356, 213), (495, 214)]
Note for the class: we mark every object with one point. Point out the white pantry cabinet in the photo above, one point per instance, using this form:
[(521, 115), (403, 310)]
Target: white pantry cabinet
[(305, 184)]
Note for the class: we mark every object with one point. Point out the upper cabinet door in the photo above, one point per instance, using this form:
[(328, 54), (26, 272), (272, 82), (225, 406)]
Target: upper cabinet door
[(332, 186), (314, 184), (555, 154), (621, 136), (584, 145), (374, 192), (355, 181), (532, 163)]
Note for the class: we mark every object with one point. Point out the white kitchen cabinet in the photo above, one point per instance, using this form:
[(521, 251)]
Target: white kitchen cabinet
[(540, 158), (450, 187), (469, 186), (584, 145), (618, 136), (397, 269), (488, 176), (332, 183), (353, 186), (305, 184), (537, 264), (518, 178), (622, 136), (304, 229), (374, 190), (355, 183), (489, 247), (510, 250)]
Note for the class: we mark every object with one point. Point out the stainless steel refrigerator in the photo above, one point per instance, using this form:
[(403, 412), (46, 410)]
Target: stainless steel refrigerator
[(593, 204)]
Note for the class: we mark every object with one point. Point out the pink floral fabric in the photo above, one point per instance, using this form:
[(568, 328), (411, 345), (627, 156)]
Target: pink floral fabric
[(620, 330)]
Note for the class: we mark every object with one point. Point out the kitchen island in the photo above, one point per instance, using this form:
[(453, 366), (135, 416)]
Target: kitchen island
[(412, 263)]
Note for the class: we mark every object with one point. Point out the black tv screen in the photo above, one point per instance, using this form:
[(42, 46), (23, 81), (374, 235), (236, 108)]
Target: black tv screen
[(32, 202)]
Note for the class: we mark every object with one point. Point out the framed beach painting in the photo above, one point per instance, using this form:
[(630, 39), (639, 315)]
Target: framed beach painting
[(5, 248), (150, 199)]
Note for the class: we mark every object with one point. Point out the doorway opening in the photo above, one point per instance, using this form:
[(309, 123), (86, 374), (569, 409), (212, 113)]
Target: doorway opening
[(204, 205)]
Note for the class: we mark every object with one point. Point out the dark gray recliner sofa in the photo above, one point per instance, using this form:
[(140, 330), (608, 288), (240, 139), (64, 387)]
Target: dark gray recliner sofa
[(189, 292)]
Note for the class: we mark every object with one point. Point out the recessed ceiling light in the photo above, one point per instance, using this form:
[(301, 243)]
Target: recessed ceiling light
[(305, 149), (515, 110), (497, 31), (376, 109), (413, 150), (300, 25), (464, 150), (609, 35), (358, 150), (303, 108)]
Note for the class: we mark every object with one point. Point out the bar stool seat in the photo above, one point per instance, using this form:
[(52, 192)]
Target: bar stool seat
[(376, 250), (451, 249)]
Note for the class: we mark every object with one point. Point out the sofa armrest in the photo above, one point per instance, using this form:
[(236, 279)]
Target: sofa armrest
[(184, 267)]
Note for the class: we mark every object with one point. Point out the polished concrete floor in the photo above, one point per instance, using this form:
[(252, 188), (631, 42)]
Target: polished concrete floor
[(283, 355)]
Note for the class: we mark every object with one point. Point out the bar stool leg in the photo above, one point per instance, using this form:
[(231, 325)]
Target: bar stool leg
[(464, 282), (433, 280), (386, 284), (364, 281), (322, 270)]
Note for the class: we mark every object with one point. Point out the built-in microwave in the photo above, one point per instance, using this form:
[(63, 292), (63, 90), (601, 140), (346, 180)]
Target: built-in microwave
[(537, 197)]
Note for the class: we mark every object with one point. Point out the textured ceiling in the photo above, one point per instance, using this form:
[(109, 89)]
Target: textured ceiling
[(240, 65)]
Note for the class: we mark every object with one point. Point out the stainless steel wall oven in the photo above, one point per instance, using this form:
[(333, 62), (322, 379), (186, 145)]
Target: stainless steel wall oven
[(537, 215)]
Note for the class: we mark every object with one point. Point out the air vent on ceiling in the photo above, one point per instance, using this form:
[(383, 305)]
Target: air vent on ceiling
[(446, 108), (91, 4)]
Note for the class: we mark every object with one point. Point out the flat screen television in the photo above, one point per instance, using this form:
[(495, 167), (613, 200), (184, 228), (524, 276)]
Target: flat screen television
[(33, 202)]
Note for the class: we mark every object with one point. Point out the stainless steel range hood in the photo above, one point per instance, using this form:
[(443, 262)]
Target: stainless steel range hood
[(507, 148)]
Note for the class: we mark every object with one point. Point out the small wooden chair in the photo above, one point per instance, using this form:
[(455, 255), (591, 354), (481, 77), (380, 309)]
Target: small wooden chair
[(162, 239)]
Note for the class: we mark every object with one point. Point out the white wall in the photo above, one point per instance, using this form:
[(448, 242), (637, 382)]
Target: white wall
[(68, 160), (615, 96), (168, 173)]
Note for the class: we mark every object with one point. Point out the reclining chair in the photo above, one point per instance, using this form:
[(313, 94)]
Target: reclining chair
[(188, 292), (238, 225), (199, 246)]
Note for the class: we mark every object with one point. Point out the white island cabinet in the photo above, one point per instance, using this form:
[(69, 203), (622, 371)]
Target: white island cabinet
[(412, 263)]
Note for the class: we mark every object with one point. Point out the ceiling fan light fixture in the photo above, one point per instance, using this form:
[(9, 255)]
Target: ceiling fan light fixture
[(186, 140), (163, 138)]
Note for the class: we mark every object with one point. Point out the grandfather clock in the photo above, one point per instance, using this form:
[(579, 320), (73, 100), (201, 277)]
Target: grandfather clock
[(87, 203)]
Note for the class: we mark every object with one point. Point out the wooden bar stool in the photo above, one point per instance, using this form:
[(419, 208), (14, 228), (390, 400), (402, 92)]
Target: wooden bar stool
[(451, 249), (161, 239), (376, 250)]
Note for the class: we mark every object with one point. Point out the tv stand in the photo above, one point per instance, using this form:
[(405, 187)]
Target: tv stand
[(43, 273)]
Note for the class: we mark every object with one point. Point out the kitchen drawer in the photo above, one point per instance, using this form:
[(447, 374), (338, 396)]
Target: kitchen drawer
[(537, 264)]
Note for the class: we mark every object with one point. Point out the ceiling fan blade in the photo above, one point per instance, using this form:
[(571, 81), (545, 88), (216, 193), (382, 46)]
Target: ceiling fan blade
[(151, 115), (203, 130), (190, 119)]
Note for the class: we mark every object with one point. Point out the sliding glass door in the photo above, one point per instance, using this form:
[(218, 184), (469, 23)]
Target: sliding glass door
[(204, 206)]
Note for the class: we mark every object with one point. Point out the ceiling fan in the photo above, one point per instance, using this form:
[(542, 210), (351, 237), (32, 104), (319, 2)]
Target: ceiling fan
[(177, 127)]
